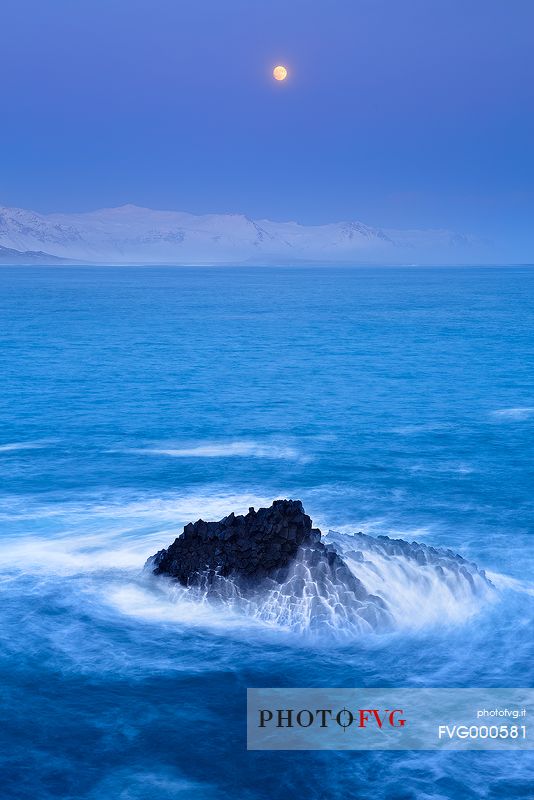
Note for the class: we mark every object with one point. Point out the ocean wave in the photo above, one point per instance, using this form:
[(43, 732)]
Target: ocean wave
[(89, 535), (407, 586), (421, 586), (422, 427), (167, 602), (236, 449), (161, 782), (380, 526), (515, 584), (518, 414), (400, 593), (379, 585), (176, 507), (12, 447), (451, 467)]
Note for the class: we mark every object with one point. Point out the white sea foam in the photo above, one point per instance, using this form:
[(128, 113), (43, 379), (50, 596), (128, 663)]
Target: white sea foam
[(518, 414), (67, 555), (179, 509), (163, 783), (452, 467), (380, 526), (507, 582), (171, 603), (85, 536), (403, 586), (417, 428), (104, 545), (235, 449), (12, 447), (421, 595)]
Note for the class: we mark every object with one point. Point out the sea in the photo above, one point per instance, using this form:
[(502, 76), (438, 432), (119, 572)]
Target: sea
[(394, 401)]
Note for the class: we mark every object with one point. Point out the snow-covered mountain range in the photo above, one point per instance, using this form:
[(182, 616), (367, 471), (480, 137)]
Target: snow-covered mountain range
[(133, 235)]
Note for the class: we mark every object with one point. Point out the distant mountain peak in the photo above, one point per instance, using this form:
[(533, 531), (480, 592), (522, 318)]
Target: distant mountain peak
[(130, 234)]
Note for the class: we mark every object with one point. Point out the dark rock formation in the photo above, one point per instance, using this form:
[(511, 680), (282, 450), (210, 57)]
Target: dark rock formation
[(263, 548), (252, 546), (272, 565)]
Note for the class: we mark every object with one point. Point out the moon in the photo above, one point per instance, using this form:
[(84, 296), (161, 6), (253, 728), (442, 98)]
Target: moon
[(279, 73)]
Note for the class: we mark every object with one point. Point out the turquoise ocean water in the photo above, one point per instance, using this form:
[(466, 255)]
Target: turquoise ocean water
[(393, 401)]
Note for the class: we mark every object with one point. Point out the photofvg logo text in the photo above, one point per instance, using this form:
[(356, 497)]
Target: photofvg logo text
[(345, 718), (389, 719)]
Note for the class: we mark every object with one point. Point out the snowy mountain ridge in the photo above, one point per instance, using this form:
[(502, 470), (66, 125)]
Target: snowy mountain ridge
[(133, 235)]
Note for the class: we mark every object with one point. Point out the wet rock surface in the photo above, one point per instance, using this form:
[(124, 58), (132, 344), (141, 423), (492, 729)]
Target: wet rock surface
[(359, 545), (273, 565), (253, 545)]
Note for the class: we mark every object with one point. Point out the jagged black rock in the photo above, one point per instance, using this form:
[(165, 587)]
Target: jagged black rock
[(253, 545)]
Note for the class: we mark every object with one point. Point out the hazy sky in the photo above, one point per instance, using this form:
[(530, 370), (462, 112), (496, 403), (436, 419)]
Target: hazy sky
[(401, 113)]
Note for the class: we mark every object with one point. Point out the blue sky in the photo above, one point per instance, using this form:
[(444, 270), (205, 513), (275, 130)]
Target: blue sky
[(401, 113)]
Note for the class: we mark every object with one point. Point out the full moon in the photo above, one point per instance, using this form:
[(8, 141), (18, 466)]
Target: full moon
[(279, 73)]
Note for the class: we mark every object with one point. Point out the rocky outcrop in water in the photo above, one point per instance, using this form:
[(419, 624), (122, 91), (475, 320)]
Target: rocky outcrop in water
[(360, 546), (252, 546), (272, 565)]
